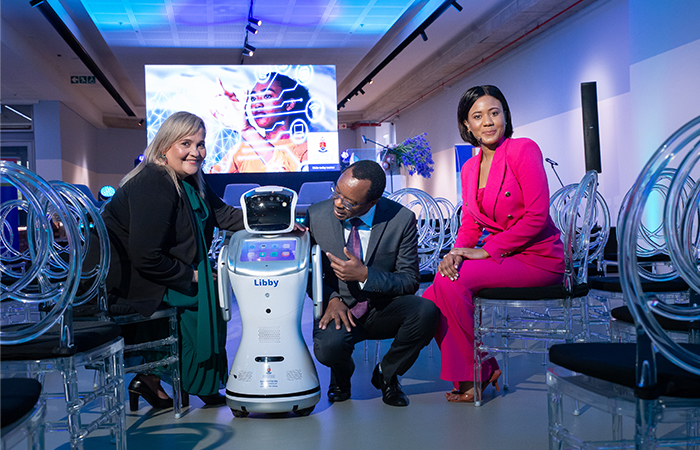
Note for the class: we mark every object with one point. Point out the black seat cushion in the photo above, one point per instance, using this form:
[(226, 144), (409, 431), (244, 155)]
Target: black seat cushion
[(615, 363), (612, 284), (19, 396), (623, 314), (551, 292), (87, 335)]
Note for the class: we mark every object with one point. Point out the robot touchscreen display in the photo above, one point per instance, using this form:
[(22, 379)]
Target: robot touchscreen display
[(266, 250)]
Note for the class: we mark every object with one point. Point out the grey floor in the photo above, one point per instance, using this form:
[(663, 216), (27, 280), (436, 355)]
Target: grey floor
[(513, 419)]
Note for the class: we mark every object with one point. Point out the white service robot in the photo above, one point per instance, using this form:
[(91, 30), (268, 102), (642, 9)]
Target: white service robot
[(267, 267)]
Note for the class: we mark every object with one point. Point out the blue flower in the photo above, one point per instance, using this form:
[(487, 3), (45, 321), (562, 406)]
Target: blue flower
[(415, 155)]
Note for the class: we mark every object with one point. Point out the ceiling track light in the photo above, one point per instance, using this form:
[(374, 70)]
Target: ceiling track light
[(362, 92), (420, 31), (251, 29), (254, 21), (248, 49)]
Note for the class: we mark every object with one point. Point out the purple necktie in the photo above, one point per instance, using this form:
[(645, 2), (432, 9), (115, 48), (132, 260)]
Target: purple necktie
[(354, 244)]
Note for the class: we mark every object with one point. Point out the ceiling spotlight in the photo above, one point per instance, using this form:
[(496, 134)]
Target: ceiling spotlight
[(362, 92), (255, 21), (457, 6), (371, 81), (248, 49), (251, 29), (424, 36)]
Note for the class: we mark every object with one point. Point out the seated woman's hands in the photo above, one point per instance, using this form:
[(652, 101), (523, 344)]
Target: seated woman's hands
[(449, 266)]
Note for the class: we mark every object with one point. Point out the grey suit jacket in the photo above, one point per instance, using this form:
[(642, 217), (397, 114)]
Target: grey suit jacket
[(391, 259)]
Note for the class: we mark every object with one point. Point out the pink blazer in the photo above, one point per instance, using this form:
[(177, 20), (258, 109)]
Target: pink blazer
[(516, 208)]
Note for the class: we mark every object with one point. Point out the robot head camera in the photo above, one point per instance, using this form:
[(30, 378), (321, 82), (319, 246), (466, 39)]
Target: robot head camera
[(269, 210)]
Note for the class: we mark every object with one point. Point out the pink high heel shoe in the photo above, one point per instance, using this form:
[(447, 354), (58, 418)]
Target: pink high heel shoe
[(467, 396)]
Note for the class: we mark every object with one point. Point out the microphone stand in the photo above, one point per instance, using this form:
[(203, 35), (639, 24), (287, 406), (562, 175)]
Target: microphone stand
[(381, 157), (553, 163)]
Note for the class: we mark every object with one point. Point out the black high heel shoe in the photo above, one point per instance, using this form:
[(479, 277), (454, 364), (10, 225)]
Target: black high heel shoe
[(138, 388)]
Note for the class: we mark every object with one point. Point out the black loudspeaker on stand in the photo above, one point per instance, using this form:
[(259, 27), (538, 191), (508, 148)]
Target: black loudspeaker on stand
[(591, 137)]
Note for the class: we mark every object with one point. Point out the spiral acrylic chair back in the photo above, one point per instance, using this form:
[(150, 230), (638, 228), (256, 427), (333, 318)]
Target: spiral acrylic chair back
[(655, 381), (430, 222), (654, 266), (47, 341), (538, 316), (594, 318)]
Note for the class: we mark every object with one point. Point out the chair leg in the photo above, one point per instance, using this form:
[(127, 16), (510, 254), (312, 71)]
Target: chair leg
[(366, 351), (555, 418), (645, 432), (691, 428), (178, 395), (119, 394), (617, 427), (477, 354), (377, 351), (72, 397)]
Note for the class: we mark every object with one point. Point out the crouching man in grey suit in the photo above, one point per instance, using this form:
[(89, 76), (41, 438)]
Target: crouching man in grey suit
[(370, 267)]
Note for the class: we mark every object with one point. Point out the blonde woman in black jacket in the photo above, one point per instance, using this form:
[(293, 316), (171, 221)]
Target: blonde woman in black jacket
[(160, 223)]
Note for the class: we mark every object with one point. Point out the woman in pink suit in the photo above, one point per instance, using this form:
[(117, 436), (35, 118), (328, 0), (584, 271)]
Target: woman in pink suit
[(505, 192)]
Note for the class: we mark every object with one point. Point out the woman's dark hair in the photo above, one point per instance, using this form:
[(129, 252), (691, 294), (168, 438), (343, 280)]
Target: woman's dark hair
[(366, 169), (467, 101)]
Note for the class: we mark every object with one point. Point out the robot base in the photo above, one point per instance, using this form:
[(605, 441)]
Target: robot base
[(300, 405)]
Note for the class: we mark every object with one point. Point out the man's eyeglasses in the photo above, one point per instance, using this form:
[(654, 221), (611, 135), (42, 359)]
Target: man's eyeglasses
[(346, 204)]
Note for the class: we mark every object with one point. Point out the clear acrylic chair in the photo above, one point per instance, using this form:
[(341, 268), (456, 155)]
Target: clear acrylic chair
[(529, 320), (654, 382), (430, 222), (654, 263), (22, 414), (162, 350), (48, 272)]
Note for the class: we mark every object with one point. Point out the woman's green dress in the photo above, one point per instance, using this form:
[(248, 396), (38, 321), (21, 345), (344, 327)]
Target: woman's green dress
[(203, 361)]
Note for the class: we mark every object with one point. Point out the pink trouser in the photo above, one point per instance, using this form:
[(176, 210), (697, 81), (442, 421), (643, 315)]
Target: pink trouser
[(455, 334)]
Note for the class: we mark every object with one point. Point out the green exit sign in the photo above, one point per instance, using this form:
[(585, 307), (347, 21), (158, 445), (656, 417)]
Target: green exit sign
[(82, 79)]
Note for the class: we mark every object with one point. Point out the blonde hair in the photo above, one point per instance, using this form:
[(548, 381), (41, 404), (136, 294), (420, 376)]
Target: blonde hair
[(177, 126)]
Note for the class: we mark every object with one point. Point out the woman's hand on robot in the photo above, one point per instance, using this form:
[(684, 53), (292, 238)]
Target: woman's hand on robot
[(195, 276)]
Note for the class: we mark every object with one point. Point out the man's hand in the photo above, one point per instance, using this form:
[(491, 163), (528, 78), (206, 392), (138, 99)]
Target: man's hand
[(338, 311), (350, 270)]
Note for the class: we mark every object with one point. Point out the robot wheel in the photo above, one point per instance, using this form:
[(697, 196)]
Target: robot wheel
[(240, 414), (304, 412)]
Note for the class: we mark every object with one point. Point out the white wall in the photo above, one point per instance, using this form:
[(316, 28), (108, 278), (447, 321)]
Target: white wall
[(645, 58)]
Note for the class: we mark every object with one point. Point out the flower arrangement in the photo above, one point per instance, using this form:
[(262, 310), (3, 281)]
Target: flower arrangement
[(414, 154)]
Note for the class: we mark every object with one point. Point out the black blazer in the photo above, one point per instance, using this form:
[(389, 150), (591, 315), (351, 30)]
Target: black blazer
[(391, 259), (152, 239)]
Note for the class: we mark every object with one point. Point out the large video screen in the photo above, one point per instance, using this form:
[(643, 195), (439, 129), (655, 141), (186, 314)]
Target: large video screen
[(261, 118)]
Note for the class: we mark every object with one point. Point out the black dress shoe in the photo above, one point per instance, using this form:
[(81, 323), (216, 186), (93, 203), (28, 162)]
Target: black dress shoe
[(391, 391), (335, 394)]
